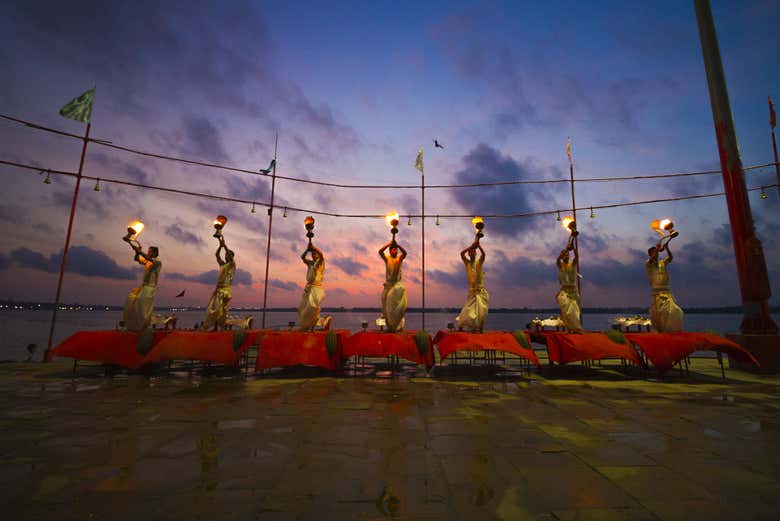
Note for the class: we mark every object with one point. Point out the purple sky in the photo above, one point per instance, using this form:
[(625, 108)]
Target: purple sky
[(354, 90)]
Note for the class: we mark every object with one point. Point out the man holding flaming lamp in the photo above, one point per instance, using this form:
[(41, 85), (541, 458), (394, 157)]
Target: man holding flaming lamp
[(313, 294), (216, 311), (474, 312), (393, 293), (139, 305), (568, 297), (665, 315)]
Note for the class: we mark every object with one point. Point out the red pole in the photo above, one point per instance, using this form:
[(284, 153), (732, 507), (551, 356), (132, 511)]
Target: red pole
[(422, 187), (574, 215), (751, 265), (67, 244), (270, 224)]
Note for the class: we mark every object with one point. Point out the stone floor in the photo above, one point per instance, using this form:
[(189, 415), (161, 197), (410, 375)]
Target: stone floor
[(468, 444)]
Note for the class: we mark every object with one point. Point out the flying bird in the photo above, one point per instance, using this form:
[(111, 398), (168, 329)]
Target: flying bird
[(181, 294), (436, 144)]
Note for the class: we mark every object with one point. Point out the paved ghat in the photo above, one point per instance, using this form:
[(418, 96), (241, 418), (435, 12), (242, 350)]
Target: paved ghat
[(576, 444)]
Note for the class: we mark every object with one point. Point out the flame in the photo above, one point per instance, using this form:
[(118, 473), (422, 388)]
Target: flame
[(664, 223), (392, 217), (220, 221), (308, 220), (138, 226), (477, 220), (565, 222), (660, 225)]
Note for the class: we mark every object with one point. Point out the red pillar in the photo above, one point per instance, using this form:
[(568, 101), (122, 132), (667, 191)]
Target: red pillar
[(751, 265)]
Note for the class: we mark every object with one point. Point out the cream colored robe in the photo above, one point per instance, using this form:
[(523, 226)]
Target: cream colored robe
[(393, 295), (139, 304), (569, 296), (311, 300), (665, 315), (216, 311), (474, 312)]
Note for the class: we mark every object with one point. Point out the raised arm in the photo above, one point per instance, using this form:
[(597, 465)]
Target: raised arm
[(221, 246), (382, 250), (321, 257), (669, 257), (402, 250), (464, 252), (481, 253)]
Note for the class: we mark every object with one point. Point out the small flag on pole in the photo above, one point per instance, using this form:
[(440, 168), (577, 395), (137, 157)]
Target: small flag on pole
[(418, 163), (772, 115), (568, 148), (80, 108), (270, 167)]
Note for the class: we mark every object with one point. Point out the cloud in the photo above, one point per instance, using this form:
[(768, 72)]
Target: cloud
[(349, 266), (485, 164), (241, 278), (5, 261), (82, 260), (183, 236), (283, 284), (114, 165)]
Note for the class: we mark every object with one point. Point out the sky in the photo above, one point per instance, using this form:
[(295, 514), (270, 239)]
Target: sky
[(353, 90)]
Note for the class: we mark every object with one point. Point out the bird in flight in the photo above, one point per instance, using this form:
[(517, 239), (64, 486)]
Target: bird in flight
[(181, 294), (436, 144)]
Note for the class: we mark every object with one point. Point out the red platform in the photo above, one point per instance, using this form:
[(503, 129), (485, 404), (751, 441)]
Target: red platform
[(378, 344), (203, 346), (666, 349), (563, 348), (447, 342), (121, 347), (287, 348)]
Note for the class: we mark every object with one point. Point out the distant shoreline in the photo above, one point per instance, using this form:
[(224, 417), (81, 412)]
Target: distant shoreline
[(10, 305)]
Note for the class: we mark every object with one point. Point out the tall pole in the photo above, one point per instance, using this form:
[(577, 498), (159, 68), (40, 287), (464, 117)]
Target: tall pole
[(574, 215), (422, 188), (751, 265), (772, 123), (270, 224), (67, 244)]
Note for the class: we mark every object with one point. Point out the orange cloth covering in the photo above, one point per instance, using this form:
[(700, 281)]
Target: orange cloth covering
[(285, 348), (110, 347), (564, 348), (121, 347), (448, 342), (666, 349), (215, 346), (374, 343)]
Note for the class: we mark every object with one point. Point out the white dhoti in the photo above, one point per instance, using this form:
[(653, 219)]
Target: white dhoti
[(394, 306), (309, 308), (216, 311), (569, 304), (139, 306), (474, 312), (665, 315)]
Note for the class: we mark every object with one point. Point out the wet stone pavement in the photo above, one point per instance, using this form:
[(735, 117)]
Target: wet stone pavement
[(575, 444)]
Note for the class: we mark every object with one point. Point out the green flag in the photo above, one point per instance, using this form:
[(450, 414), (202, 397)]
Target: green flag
[(80, 108), (418, 163)]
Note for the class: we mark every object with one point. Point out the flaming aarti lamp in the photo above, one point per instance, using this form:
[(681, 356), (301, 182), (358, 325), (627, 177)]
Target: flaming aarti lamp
[(392, 220), (308, 222), (134, 229), (219, 223), (665, 227), (570, 225), (479, 225)]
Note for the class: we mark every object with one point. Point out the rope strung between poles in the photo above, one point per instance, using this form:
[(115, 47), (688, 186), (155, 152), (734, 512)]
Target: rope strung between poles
[(364, 186), (178, 191)]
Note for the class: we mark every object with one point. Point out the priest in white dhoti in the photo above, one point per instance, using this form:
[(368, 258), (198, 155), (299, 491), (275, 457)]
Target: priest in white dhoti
[(472, 316), (569, 296), (311, 300), (393, 293), (665, 315), (139, 305), (216, 311)]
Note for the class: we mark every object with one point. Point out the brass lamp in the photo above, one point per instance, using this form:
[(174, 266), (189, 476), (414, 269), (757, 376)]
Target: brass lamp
[(479, 225), (392, 220), (308, 222), (219, 223), (570, 225), (664, 227)]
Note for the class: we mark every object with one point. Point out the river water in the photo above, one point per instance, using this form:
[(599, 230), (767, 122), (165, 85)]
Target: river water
[(19, 328)]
